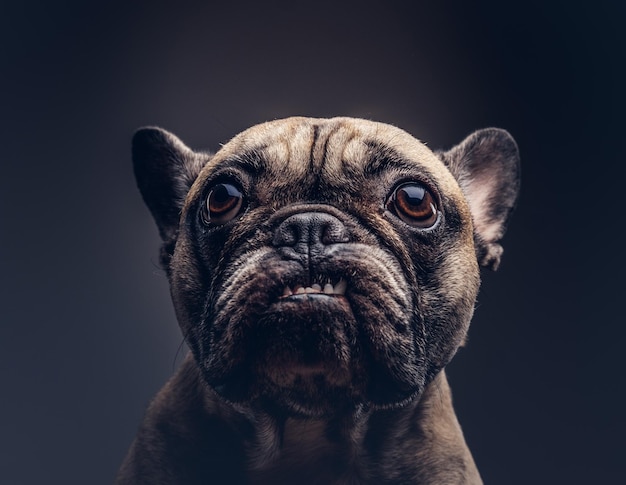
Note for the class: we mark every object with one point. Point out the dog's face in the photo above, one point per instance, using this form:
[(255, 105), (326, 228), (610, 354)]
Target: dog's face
[(320, 264)]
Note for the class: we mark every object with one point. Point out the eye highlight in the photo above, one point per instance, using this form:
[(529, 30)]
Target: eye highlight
[(414, 204), (223, 204)]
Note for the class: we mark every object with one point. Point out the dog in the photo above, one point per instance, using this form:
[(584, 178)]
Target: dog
[(323, 273)]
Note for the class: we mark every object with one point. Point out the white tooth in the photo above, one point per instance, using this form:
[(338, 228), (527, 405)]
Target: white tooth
[(308, 289), (328, 289), (300, 291), (340, 288), (316, 287), (287, 291)]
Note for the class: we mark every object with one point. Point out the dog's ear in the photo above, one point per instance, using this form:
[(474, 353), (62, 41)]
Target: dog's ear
[(486, 166), (165, 169)]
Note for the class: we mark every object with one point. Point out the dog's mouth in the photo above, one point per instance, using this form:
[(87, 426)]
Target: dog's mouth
[(326, 288), (312, 336)]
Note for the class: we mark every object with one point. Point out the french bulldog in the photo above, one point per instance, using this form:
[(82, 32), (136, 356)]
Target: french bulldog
[(323, 273)]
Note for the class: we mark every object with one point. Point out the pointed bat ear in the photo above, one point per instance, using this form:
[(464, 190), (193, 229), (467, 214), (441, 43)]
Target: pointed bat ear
[(164, 169), (486, 166)]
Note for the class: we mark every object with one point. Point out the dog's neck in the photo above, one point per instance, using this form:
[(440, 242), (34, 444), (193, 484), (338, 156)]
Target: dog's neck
[(364, 446), (299, 443)]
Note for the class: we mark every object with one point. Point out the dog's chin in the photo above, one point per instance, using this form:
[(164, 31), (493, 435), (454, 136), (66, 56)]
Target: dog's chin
[(299, 355), (308, 391), (295, 388)]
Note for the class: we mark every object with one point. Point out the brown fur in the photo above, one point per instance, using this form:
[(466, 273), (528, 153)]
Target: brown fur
[(316, 389)]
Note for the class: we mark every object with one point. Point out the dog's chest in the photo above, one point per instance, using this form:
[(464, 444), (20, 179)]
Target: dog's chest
[(307, 455), (307, 441)]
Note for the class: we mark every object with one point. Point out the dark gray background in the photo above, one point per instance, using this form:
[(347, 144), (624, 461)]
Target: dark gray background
[(87, 332)]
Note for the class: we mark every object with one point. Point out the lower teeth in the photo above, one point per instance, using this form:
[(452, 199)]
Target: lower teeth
[(329, 289)]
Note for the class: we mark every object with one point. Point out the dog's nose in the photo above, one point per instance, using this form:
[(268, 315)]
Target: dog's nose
[(308, 230)]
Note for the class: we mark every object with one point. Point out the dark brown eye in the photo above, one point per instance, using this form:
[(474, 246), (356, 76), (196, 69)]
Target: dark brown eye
[(414, 204), (223, 204)]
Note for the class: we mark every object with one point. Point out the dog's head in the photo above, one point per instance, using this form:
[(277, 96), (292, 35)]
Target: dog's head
[(319, 264)]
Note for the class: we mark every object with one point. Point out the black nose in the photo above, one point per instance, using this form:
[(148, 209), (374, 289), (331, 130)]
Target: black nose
[(308, 231)]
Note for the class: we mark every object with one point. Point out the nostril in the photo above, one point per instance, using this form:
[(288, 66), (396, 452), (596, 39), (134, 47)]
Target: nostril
[(333, 232), (286, 235)]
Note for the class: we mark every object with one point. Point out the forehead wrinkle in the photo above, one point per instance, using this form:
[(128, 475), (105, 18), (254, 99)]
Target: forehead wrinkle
[(278, 155), (329, 144), (300, 140), (406, 153), (342, 143), (251, 161)]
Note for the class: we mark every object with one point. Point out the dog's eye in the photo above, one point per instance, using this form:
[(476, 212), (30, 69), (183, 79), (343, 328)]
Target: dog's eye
[(223, 204), (414, 204)]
